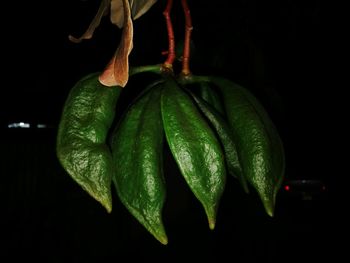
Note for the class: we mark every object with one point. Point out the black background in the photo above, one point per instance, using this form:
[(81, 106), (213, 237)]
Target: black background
[(273, 48)]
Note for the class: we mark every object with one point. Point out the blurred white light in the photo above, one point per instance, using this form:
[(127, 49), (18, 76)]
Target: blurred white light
[(19, 125), (41, 126)]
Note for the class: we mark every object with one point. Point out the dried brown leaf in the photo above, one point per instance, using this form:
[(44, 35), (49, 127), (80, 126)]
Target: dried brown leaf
[(117, 71), (102, 11), (138, 8)]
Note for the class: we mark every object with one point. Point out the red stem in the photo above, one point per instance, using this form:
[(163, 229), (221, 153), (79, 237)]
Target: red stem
[(171, 52), (188, 30)]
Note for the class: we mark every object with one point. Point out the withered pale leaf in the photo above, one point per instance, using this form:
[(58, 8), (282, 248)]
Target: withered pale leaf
[(138, 8), (117, 71), (117, 13), (102, 10)]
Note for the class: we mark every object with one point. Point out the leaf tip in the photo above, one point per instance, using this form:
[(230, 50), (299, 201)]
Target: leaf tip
[(163, 239), (269, 205), (76, 40), (211, 215), (108, 79), (211, 224)]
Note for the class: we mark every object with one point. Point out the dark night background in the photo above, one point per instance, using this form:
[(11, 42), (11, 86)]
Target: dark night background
[(273, 48)]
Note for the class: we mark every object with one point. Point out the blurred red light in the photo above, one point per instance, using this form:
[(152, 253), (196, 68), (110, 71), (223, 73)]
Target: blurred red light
[(287, 187)]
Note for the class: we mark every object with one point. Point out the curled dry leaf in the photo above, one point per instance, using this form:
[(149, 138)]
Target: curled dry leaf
[(138, 8), (117, 71), (122, 11), (102, 11)]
